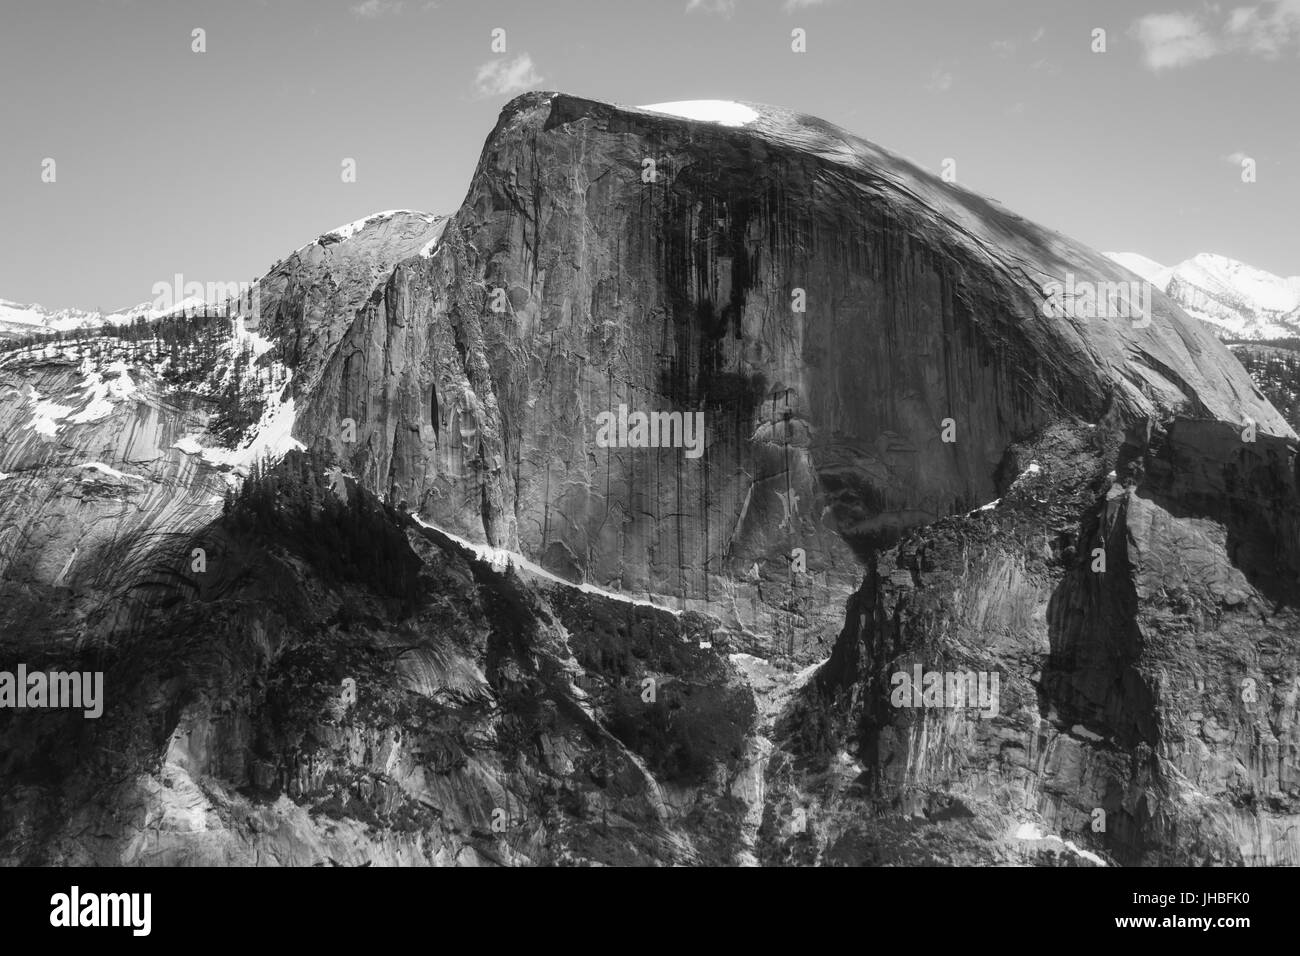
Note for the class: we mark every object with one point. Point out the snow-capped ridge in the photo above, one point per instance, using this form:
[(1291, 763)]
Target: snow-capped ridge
[(350, 229), (1236, 299)]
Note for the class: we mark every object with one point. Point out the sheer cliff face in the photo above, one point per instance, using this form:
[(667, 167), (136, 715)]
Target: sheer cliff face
[(822, 304)]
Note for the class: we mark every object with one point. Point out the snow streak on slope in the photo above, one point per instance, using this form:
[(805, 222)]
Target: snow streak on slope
[(501, 559), (269, 440), (432, 244), (104, 393), (110, 471), (46, 414)]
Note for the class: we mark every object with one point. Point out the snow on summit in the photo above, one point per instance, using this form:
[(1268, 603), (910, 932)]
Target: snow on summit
[(722, 112), (1238, 300), (348, 230)]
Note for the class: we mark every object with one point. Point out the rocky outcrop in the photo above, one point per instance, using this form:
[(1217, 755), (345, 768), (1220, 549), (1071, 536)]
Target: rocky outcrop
[(1136, 600), (343, 687)]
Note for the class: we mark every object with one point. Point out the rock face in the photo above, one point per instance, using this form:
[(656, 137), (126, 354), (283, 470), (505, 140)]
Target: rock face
[(822, 304), (466, 620), (1144, 633), (305, 707)]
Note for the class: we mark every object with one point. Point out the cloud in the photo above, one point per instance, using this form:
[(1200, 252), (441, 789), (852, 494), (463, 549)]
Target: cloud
[(940, 80), (726, 8), (502, 77), (1006, 48), (1266, 30), (1235, 159), (373, 9), (1173, 40), (723, 7)]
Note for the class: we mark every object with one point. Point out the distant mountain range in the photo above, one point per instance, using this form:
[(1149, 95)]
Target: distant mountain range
[(1238, 301), (18, 319)]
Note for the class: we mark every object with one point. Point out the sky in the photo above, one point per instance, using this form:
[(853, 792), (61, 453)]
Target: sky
[(216, 164)]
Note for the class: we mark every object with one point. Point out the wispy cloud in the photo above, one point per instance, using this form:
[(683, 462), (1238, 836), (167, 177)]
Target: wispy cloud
[(721, 7), (373, 9), (502, 77), (726, 8), (1267, 30), (1235, 159), (1173, 40), (1005, 48), (940, 80)]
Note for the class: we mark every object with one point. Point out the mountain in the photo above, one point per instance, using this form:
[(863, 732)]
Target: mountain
[(17, 320), (606, 520), (1237, 301)]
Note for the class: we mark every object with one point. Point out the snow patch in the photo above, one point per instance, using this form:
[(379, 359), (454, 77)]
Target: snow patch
[(103, 393), (111, 472), (348, 230), (427, 249), (1028, 831), (722, 112), (259, 345), (272, 437), (1079, 730), (100, 394), (46, 415)]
